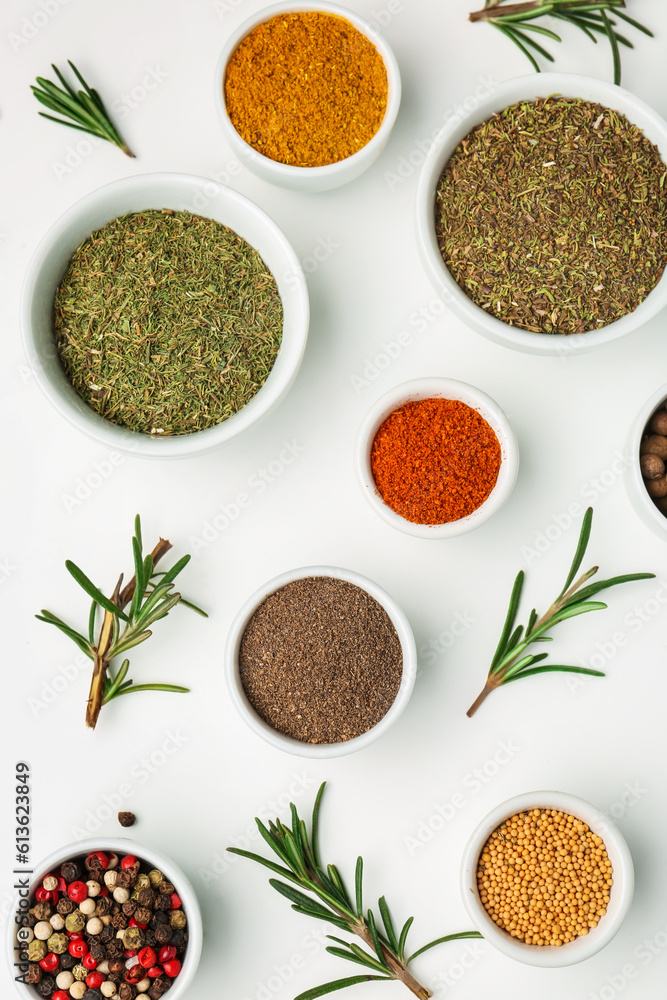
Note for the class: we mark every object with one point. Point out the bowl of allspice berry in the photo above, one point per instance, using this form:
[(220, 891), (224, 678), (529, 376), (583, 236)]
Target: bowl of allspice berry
[(105, 918), (646, 476)]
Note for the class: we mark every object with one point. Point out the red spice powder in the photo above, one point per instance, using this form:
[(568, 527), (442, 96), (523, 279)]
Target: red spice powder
[(435, 460)]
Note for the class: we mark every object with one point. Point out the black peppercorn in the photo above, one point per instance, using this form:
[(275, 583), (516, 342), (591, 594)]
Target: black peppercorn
[(115, 948), (127, 818), (163, 934), (102, 906), (31, 921), (146, 897), (106, 934), (166, 888), (92, 994), (126, 991), (179, 938), (159, 917), (117, 965), (163, 903), (65, 906), (159, 988), (97, 951), (68, 961), (128, 908), (116, 978), (70, 871), (119, 921), (41, 911), (151, 940), (143, 915), (125, 879), (34, 973), (46, 986)]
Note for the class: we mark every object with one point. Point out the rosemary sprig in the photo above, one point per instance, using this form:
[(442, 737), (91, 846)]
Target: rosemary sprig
[(590, 16), (511, 662), (150, 596), (85, 107), (384, 956)]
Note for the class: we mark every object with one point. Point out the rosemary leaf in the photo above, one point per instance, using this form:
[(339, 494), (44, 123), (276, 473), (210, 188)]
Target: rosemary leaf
[(338, 984), (511, 661)]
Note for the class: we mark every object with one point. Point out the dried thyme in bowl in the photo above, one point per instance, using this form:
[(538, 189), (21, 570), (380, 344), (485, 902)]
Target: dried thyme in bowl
[(167, 322), (552, 216)]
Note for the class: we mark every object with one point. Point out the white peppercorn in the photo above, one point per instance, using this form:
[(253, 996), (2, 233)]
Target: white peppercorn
[(50, 883), (93, 888), (57, 921), (87, 907), (113, 860), (77, 990), (143, 985), (103, 967), (24, 935), (121, 895), (43, 930), (108, 989), (110, 879), (94, 926), (64, 979), (106, 919)]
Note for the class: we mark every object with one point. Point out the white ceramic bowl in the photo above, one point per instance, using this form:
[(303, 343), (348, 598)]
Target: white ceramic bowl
[(155, 191), (551, 956), (120, 845), (529, 88), (309, 179), (641, 501), (445, 388), (319, 751)]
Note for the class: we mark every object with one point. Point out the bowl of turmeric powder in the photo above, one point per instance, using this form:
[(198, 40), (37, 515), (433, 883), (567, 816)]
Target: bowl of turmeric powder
[(436, 457), (307, 94)]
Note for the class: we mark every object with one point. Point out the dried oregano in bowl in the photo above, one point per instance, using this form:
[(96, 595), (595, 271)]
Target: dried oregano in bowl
[(551, 215), (167, 322)]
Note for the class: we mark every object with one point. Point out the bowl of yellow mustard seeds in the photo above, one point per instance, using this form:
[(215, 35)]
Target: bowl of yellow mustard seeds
[(547, 878), (307, 94)]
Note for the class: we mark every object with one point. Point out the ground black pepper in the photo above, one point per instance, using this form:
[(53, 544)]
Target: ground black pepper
[(320, 660)]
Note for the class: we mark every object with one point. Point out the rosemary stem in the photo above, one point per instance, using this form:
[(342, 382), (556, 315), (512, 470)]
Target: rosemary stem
[(398, 970), (101, 663), (491, 685)]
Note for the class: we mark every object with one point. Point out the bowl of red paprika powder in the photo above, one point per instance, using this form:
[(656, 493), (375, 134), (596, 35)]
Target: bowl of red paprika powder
[(436, 457), (307, 94)]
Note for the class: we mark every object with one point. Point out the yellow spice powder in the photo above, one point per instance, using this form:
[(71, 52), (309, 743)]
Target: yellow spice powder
[(544, 877), (306, 89)]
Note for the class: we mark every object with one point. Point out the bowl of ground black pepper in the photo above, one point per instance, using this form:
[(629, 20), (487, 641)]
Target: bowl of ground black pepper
[(646, 461), (320, 662), (307, 94), (436, 457), (541, 215), (164, 314), (105, 917), (547, 879)]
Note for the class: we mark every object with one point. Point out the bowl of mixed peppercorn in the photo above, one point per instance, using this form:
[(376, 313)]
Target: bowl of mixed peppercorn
[(541, 214), (106, 919)]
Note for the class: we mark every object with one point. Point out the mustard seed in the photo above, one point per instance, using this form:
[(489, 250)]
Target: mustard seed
[(544, 877)]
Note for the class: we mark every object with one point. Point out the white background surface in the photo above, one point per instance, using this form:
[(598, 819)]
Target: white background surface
[(571, 418)]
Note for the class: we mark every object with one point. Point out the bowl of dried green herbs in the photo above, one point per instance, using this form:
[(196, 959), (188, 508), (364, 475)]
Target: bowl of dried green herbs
[(164, 314), (541, 215), (320, 662)]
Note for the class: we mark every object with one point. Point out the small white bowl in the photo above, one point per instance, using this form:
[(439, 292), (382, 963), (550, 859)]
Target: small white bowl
[(309, 179), (119, 845), (444, 388), (319, 751), (641, 501), (551, 956), (529, 88), (134, 194)]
